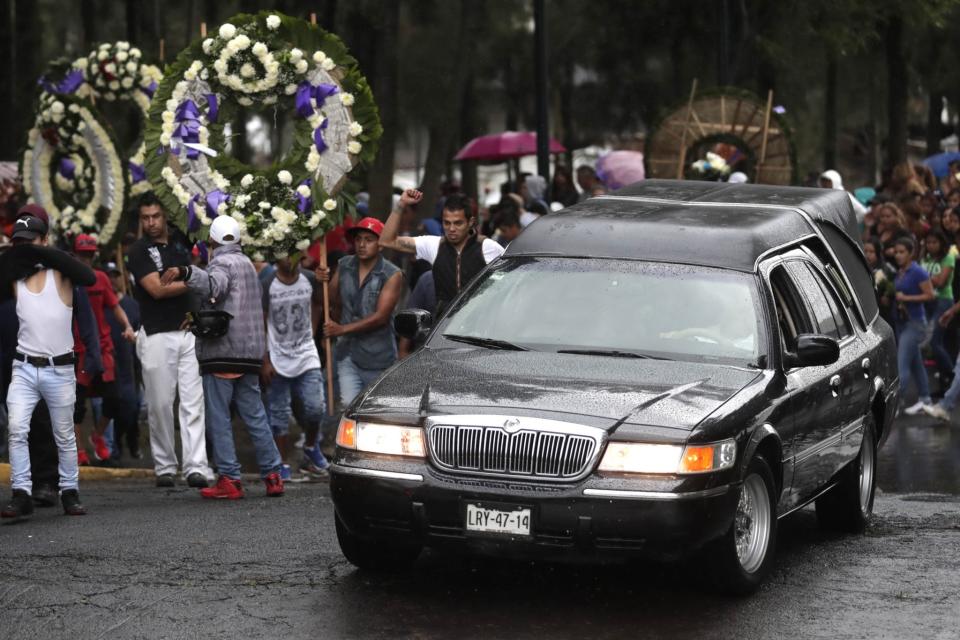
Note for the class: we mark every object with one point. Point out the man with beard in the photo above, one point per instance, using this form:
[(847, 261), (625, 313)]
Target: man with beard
[(456, 257)]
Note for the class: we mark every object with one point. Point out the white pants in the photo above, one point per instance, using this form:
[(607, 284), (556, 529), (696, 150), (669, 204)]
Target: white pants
[(169, 365)]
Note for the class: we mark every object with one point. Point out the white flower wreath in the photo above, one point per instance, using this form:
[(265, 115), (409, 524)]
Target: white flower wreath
[(89, 176), (251, 64)]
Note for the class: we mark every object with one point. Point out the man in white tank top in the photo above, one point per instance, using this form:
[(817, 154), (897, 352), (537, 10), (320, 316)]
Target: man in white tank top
[(43, 366)]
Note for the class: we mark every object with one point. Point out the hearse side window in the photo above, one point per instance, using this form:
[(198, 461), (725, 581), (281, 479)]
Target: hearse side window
[(792, 315), (817, 301), (851, 257), (843, 324)]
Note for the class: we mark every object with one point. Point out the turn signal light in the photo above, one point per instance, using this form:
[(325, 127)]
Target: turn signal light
[(697, 459), (347, 433)]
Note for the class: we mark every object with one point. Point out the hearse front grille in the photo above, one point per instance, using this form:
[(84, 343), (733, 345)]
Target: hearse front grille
[(524, 453)]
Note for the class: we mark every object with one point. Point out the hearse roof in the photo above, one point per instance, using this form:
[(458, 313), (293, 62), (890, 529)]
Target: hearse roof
[(703, 223)]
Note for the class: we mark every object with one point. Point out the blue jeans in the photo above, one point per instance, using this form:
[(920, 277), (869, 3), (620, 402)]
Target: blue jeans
[(353, 379), (910, 360), (940, 353), (58, 386), (308, 387), (245, 394)]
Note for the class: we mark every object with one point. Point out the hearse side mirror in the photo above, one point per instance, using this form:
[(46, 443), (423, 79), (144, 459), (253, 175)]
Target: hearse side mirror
[(813, 350), (411, 322)]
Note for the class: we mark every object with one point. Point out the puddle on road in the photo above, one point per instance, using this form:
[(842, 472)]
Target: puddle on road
[(921, 455)]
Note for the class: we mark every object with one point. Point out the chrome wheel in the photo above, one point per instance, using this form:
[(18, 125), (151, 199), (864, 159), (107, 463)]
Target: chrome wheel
[(752, 523), (867, 460)]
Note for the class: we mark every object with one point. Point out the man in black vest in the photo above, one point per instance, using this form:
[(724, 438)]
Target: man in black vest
[(456, 257)]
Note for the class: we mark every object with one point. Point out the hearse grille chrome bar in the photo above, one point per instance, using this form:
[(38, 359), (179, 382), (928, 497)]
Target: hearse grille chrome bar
[(527, 453)]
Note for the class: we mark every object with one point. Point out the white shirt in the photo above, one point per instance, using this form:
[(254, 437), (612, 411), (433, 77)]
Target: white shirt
[(527, 218), (429, 246), (289, 331)]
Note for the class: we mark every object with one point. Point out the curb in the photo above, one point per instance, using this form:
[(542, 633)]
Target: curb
[(92, 473)]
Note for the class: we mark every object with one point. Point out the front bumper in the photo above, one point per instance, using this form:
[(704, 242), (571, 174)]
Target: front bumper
[(414, 502)]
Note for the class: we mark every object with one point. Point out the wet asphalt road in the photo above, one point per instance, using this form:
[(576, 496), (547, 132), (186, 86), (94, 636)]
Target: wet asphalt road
[(153, 563)]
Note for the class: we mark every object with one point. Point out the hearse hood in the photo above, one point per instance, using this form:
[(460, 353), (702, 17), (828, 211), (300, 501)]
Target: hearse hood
[(602, 391)]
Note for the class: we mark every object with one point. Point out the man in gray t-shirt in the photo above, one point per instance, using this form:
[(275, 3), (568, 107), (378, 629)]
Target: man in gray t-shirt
[(292, 305)]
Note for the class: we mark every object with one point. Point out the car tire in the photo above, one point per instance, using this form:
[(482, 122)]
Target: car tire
[(743, 556), (375, 554), (849, 505)]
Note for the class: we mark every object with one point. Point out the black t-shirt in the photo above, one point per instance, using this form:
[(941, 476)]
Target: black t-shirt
[(146, 257)]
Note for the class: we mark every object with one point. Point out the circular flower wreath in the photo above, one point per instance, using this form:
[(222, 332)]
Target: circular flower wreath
[(70, 167), (264, 59), (85, 193)]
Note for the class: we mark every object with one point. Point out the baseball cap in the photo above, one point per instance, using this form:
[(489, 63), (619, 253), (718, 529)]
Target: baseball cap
[(84, 244), (225, 230), (111, 268), (367, 224), (28, 227), (36, 211)]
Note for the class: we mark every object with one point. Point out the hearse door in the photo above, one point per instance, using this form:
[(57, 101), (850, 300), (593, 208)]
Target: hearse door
[(808, 387), (839, 386)]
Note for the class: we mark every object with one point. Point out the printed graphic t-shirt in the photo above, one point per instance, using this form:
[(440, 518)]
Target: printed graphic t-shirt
[(146, 257), (289, 331)]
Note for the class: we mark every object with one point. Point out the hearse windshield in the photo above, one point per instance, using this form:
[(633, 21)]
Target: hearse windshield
[(615, 308)]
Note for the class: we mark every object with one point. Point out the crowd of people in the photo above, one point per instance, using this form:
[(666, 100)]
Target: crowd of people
[(911, 234), (198, 335)]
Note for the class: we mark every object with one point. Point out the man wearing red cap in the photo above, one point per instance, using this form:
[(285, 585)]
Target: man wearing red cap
[(102, 385), (364, 294)]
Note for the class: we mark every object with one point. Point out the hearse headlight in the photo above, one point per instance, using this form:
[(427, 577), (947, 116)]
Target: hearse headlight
[(389, 439), (639, 457)]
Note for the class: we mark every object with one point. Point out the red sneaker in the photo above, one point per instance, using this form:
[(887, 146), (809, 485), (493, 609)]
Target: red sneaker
[(100, 449), (82, 458), (225, 489), (274, 485)]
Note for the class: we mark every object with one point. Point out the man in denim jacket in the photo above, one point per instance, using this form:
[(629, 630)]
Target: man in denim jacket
[(230, 364), (364, 293)]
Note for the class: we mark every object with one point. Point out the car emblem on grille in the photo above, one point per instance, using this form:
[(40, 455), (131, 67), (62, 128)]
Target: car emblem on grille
[(511, 425)]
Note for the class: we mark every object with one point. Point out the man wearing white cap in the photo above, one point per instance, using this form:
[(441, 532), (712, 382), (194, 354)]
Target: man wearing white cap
[(230, 361)]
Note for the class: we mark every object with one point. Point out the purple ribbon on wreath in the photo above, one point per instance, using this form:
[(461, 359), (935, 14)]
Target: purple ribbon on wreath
[(70, 83), (318, 140), (67, 168), (188, 128), (193, 222), (213, 108), (306, 91), (150, 89), (211, 201), (214, 199), (137, 172), (202, 251), (305, 203)]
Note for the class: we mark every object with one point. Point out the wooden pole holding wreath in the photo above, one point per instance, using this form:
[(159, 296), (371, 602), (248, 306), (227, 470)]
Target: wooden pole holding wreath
[(682, 158), (766, 132), (327, 342)]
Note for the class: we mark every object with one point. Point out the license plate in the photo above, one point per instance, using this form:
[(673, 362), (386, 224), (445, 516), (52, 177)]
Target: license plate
[(511, 522)]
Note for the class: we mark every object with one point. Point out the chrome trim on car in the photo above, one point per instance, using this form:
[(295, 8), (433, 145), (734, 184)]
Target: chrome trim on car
[(514, 447), (655, 495), (376, 473)]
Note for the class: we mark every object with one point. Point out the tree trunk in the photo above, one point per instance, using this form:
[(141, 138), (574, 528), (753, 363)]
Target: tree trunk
[(830, 112), (934, 126), (897, 92), (443, 129), (873, 135), (384, 85), (566, 90), (10, 136)]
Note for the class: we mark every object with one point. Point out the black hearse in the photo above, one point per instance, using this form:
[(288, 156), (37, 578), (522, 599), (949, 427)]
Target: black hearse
[(669, 369)]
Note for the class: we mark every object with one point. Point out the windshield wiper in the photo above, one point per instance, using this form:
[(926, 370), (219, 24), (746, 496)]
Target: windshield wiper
[(610, 352), (490, 343)]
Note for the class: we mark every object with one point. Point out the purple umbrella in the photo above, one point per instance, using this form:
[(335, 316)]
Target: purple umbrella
[(620, 168)]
